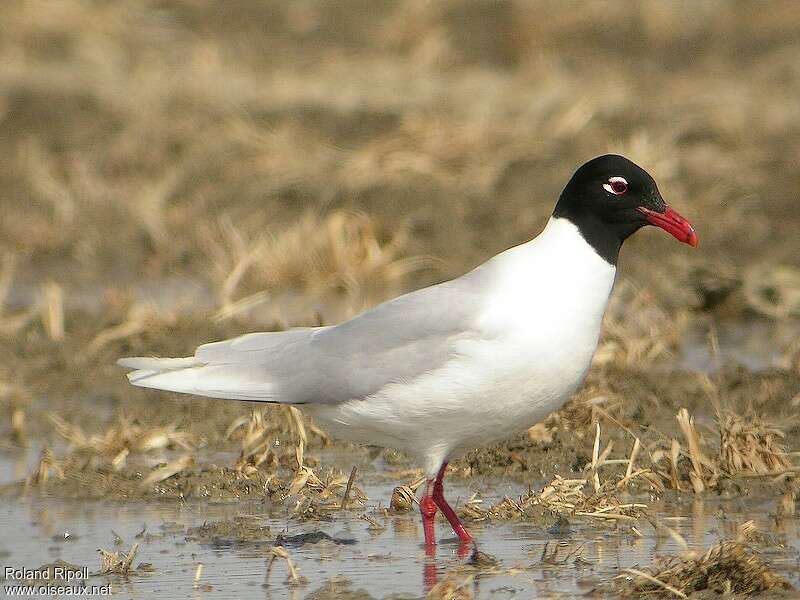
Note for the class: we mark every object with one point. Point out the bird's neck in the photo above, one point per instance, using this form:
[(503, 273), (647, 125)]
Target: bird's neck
[(605, 238), (556, 281), (560, 257)]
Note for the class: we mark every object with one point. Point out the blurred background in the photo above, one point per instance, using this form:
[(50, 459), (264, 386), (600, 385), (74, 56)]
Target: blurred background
[(175, 172)]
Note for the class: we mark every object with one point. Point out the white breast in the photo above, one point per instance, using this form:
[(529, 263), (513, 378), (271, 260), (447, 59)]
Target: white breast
[(539, 329)]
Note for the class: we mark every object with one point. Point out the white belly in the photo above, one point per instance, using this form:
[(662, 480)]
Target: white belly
[(487, 394), (533, 345)]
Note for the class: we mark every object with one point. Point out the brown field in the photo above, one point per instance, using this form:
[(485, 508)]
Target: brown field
[(175, 172)]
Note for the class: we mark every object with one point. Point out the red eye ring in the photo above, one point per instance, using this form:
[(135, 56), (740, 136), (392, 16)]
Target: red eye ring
[(616, 186)]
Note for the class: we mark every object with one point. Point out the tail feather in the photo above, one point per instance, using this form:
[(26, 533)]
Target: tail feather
[(235, 369), (153, 363), (191, 376)]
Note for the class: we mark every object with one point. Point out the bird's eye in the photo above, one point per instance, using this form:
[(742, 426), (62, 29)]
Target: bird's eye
[(616, 186)]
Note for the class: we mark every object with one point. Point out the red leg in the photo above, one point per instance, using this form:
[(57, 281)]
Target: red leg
[(429, 573), (427, 506), (447, 510)]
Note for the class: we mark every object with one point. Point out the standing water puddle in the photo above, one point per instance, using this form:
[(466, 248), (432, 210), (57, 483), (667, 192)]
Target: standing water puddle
[(389, 561), (756, 344)]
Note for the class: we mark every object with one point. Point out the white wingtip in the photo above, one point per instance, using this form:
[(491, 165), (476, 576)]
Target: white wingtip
[(135, 376)]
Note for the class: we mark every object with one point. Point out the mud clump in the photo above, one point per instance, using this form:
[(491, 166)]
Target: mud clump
[(338, 588), (240, 531), (77, 477), (312, 537)]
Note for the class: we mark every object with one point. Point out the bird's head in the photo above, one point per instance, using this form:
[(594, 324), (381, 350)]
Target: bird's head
[(609, 198)]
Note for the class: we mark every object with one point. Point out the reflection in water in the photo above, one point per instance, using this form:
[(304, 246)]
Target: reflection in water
[(429, 575), (391, 560), (430, 568)]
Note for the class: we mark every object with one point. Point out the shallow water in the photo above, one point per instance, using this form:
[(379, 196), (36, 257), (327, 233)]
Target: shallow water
[(756, 344), (36, 531)]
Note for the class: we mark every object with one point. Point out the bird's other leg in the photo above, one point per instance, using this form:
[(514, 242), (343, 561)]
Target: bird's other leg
[(447, 510), (427, 507)]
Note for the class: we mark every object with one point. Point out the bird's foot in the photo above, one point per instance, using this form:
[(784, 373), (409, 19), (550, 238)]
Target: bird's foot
[(466, 549), (481, 559)]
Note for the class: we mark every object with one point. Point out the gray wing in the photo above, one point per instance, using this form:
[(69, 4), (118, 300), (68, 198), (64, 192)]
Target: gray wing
[(397, 340)]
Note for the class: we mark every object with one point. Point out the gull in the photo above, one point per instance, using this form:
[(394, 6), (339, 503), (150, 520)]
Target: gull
[(454, 366)]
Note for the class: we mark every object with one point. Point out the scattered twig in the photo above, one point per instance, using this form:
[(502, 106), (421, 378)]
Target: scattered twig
[(350, 480)]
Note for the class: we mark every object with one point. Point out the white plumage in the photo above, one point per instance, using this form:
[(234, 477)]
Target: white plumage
[(536, 345), (513, 350)]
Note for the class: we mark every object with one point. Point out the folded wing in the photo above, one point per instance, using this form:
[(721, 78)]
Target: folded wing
[(395, 341)]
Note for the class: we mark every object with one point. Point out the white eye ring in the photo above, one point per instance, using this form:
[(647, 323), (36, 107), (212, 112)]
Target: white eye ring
[(616, 186)]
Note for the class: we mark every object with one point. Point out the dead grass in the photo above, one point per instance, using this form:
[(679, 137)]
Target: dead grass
[(586, 498), (167, 470), (258, 434), (452, 588), (122, 438), (318, 495), (276, 471), (727, 567), (415, 141), (48, 466), (293, 576), (773, 290), (342, 258), (117, 562), (565, 497), (637, 332), (748, 444), (15, 406), (138, 318)]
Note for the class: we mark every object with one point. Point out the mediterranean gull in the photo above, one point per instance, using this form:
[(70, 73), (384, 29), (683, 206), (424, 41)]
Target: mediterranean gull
[(454, 366)]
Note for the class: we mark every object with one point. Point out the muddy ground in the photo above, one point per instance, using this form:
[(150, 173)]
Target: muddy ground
[(180, 172)]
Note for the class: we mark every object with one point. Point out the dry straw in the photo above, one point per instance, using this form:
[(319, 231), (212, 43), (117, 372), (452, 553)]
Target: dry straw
[(293, 577), (117, 563), (728, 567), (342, 257), (121, 439), (452, 588), (589, 498)]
